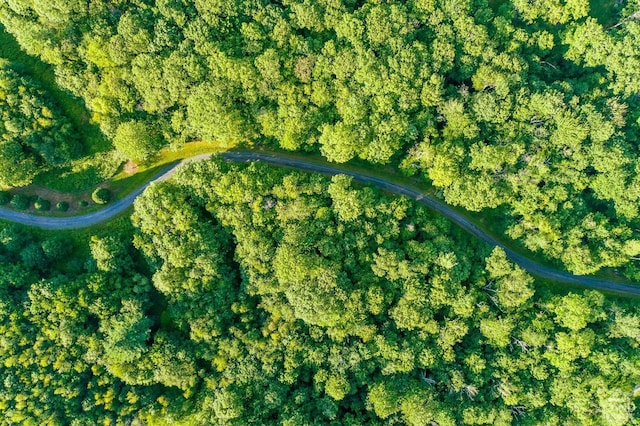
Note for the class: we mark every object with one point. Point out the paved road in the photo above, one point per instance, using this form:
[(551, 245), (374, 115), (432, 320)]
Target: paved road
[(526, 263), (71, 222)]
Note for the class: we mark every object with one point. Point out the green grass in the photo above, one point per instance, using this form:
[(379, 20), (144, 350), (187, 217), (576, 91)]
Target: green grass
[(83, 175), (122, 183)]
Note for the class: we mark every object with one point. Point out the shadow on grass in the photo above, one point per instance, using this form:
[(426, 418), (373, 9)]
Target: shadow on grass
[(66, 180), (123, 187)]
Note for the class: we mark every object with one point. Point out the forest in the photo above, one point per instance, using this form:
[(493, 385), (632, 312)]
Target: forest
[(280, 297), (34, 134), (237, 294), (527, 108)]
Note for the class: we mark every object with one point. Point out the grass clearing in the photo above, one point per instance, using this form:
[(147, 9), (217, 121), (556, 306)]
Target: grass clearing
[(82, 176), (124, 183), (74, 186)]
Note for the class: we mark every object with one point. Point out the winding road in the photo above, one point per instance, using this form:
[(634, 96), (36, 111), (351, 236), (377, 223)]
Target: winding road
[(58, 223)]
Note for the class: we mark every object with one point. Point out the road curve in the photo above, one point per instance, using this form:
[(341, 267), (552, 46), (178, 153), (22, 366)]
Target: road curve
[(57, 223), (71, 222)]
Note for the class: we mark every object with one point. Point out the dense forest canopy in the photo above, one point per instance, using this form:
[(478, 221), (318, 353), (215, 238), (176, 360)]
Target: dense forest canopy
[(529, 106), (242, 294), (278, 297), (34, 134)]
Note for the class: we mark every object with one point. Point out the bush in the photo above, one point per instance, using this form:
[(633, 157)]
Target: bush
[(20, 202), (101, 196), (42, 205), (5, 197), (62, 206), (83, 203)]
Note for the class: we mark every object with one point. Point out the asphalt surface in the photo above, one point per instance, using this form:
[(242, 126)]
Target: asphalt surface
[(57, 223), (110, 210)]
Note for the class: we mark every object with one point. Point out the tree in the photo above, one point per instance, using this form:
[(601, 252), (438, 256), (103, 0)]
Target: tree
[(575, 311), (125, 340), (512, 286), (20, 202), (337, 387), (42, 205), (101, 196), (111, 254), (299, 299), (135, 140), (34, 135), (214, 114)]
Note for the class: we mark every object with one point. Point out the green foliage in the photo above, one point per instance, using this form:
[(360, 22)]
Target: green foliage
[(20, 202), (33, 134), (403, 323), (525, 106), (5, 197), (278, 297), (134, 140), (62, 206), (72, 106), (293, 299), (110, 254), (83, 203), (101, 196), (42, 205)]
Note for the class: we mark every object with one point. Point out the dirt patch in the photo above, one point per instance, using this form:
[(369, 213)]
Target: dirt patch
[(35, 191), (130, 168)]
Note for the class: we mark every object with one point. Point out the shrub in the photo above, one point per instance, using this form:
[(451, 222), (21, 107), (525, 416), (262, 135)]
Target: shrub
[(83, 203), (5, 197), (42, 205), (20, 202), (101, 196), (62, 206)]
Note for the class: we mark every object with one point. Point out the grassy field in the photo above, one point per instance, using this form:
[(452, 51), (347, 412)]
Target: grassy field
[(124, 183)]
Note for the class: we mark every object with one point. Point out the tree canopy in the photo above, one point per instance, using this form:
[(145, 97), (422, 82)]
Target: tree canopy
[(34, 135), (529, 107), (243, 294), (279, 297)]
